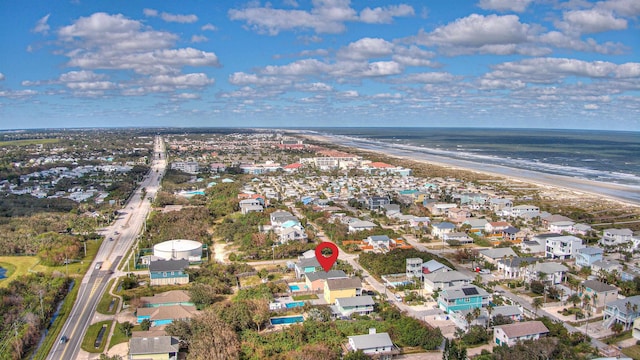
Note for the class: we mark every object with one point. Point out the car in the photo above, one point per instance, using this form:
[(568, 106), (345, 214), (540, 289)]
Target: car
[(484, 271), (64, 339), (110, 239), (98, 266)]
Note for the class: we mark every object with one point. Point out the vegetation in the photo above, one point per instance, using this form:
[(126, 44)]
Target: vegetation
[(28, 305), (394, 262), (88, 343)]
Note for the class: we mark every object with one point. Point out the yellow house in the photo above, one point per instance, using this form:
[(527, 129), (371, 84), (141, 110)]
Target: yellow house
[(154, 348), (341, 288)]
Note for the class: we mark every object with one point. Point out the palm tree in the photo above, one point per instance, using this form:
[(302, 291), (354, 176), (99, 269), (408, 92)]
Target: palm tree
[(574, 299), (585, 300), (537, 304)]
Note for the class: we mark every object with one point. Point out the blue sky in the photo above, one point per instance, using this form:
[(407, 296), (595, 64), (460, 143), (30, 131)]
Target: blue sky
[(289, 63)]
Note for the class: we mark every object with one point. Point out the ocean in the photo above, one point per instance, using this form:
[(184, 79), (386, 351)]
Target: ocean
[(606, 156)]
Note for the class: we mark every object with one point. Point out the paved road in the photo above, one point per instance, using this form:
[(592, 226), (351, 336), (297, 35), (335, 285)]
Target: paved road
[(124, 232)]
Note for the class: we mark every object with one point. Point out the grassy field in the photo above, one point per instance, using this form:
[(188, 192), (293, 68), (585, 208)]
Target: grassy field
[(28, 142), (92, 334), (118, 337), (103, 305), (304, 297), (16, 266), (77, 268), (632, 352)]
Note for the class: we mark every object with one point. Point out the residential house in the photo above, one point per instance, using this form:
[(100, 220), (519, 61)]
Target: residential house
[(438, 230), (156, 348), (560, 227), (391, 210), (623, 311), (293, 233), (462, 298), (315, 280), (458, 215), (615, 237), (493, 255), (457, 238), (445, 279), (496, 227), (341, 288), (168, 272), (636, 329), (533, 246), (524, 210), (440, 208), (477, 225), (432, 266), (511, 334), (563, 247), (375, 202), (508, 311), (250, 205), (419, 221), (514, 267), (306, 265), (413, 268), (548, 272), (599, 293), (361, 305), (606, 267), (167, 298), (581, 229), (164, 315), (587, 255), (280, 217), (373, 344), (361, 225), (498, 204), (379, 242), (549, 219)]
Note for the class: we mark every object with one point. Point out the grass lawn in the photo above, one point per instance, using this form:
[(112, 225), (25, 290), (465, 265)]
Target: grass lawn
[(118, 337), (16, 266), (77, 268), (92, 333), (613, 339), (305, 297), (632, 351), (28, 142), (103, 305)]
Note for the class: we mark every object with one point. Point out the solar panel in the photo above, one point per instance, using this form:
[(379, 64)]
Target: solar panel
[(470, 291)]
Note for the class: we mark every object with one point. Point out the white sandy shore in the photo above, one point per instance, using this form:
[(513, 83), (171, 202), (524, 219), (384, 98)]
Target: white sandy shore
[(619, 193)]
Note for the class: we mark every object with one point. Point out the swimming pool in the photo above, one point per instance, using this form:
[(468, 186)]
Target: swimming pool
[(294, 304), (286, 320), (294, 287)]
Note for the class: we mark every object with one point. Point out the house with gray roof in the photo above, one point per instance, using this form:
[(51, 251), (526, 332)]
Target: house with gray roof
[(360, 225), (168, 272), (345, 307), (514, 267), (493, 255), (623, 311), (588, 255), (511, 334), (508, 311), (432, 266), (548, 272), (315, 280), (463, 297), (600, 294), (159, 347), (445, 279), (373, 344)]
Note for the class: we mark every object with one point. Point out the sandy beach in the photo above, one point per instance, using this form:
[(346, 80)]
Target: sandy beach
[(550, 185)]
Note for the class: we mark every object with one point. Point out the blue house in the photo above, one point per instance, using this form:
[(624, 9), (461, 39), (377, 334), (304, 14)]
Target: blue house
[(588, 255), (465, 297), (307, 265), (168, 272)]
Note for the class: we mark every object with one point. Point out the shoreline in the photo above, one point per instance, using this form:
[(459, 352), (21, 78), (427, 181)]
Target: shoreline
[(576, 186)]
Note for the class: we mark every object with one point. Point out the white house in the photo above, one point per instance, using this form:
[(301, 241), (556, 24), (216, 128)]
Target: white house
[(553, 272), (510, 334), (559, 227), (361, 225), (379, 345), (445, 279), (522, 210), (563, 247), (438, 230), (614, 237)]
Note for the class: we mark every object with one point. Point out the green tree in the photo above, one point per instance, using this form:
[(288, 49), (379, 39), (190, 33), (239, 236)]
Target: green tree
[(213, 339), (125, 328), (537, 304), (356, 355), (145, 325)]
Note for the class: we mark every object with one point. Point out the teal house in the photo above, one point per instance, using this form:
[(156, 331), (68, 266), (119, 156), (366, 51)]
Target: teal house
[(464, 297)]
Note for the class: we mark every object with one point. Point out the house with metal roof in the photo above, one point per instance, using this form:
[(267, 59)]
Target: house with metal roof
[(462, 298), (623, 311), (373, 344), (445, 279), (168, 272), (361, 305), (316, 280), (511, 334), (159, 347), (600, 294)]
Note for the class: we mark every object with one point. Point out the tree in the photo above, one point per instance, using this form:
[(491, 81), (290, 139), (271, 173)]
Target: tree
[(314, 352), (125, 328), (574, 299), (213, 339), (145, 324), (537, 304), (617, 328), (356, 355)]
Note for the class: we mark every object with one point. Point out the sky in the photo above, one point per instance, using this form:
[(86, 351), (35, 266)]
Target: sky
[(322, 63)]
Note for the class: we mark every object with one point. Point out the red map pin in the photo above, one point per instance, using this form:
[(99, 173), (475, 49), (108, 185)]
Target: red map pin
[(327, 261)]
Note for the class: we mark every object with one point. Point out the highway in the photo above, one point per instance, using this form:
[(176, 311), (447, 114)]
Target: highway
[(123, 233)]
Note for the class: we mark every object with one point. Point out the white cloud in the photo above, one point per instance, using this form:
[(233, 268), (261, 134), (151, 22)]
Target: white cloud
[(171, 17), (314, 87), (551, 70), (75, 76), (184, 19), (564, 41), (326, 16), (414, 56), (505, 5), (209, 27), (186, 96), (17, 94), (198, 38), (242, 79), (591, 107), (628, 70), (349, 94), (42, 25), (298, 68), (2, 77), (500, 84), (430, 77), (590, 21), (382, 68), (630, 8), (366, 48), (181, 81), (491, 34), (385, 15)]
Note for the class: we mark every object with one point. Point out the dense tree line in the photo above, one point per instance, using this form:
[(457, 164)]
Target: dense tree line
[(26, 308), (394, 262), (193, 223)]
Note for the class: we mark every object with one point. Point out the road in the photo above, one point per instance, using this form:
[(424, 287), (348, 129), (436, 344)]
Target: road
[(124, 232)]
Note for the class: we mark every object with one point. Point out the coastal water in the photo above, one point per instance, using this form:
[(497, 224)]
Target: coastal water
[(611, 157)]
